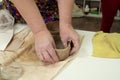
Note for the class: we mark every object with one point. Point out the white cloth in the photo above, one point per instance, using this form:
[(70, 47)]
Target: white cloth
[(6, 28)]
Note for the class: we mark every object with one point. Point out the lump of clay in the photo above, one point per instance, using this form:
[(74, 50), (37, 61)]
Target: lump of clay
[(61, 51)]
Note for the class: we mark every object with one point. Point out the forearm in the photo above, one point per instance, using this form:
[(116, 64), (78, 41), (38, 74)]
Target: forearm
[(65, 11), (31, 14)]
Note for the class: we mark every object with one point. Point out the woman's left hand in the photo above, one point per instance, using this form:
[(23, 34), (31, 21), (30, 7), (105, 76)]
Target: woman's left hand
[(67, 33)]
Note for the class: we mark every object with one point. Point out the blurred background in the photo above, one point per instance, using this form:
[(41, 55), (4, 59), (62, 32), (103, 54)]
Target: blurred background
[(87, 16)]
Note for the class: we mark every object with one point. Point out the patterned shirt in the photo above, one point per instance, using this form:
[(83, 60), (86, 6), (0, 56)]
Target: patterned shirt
[(48, 10)]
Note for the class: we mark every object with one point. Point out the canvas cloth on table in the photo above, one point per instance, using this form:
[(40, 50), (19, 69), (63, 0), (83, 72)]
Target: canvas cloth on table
[(106, 45), (21, 51)]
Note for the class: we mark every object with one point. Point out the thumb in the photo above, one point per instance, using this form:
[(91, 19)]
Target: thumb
[(64, 41), (65, 44)]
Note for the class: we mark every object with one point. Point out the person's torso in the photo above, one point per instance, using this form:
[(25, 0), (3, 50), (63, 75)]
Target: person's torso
[(48, 9)]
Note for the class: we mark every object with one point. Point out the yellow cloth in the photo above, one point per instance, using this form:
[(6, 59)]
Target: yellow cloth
[(106, 45)]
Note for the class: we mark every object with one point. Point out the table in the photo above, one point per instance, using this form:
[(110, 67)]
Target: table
[(87, 67)]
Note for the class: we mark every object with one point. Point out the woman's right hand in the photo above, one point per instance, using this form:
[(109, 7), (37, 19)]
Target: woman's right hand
[(45, 47)]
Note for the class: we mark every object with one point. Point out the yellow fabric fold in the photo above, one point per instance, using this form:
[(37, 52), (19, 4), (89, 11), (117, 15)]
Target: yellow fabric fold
[(106, 45)]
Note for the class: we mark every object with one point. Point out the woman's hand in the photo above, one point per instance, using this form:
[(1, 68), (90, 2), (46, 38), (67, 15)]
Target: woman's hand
[(45, 47), (67, 33)]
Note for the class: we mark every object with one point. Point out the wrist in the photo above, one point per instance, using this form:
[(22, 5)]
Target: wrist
[(38, 29), (65, 25), (64, 21), (41, 33)]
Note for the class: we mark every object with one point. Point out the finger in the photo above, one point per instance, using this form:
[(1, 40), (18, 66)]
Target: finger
[(65, 44), (53, 43), (47, 57), (40, 56), (64, 41), (75, 47), (53, 54)]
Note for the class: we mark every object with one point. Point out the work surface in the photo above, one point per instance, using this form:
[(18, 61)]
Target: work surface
[(87, 67)]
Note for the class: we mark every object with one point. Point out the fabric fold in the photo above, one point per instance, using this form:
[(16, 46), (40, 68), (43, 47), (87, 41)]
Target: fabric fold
[(25, 56), (106, 45), (6, 28)]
